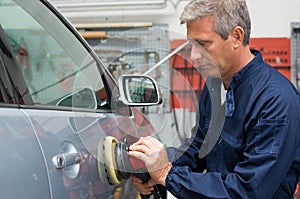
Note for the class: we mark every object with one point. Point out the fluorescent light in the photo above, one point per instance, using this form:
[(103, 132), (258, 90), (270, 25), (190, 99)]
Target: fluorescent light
[(147, 4)]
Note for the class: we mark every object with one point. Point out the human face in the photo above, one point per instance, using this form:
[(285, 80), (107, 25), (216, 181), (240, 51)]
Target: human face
[(213, 54)]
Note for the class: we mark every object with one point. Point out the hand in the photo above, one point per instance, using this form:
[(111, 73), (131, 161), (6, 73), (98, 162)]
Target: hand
[(143, 188), (154, 155)]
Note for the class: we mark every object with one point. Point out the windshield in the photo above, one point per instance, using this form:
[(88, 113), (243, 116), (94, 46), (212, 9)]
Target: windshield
[(53, 62)]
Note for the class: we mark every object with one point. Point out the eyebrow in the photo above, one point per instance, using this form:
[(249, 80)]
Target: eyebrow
[(200, 41)]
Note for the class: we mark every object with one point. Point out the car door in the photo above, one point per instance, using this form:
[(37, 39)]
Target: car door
[(22, 169), (70, 99)]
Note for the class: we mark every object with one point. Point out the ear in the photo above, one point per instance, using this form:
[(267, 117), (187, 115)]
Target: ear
[(237, 35)]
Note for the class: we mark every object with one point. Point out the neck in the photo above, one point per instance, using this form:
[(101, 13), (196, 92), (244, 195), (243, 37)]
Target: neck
[(244, 56)]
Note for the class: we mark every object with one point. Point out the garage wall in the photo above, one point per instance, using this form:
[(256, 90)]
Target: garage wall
[(270, 18)]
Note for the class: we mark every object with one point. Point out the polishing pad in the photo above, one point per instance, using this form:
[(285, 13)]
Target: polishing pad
[(107, 167)]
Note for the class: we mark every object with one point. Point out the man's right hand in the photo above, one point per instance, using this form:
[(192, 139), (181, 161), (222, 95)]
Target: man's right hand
[(145, 188)]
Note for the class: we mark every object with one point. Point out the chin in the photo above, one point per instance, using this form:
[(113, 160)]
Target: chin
[(210, 73)]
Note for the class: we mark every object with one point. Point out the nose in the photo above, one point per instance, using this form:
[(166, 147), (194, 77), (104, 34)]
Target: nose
[(195, 52)]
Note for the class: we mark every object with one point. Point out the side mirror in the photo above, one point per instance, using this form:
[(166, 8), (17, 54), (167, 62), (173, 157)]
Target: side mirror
[(139, 90)]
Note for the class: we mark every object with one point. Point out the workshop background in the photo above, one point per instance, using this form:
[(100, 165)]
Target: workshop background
[(133, 36)]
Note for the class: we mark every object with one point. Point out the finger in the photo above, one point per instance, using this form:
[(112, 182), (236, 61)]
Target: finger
[(150, 142), (141, 139), (143, 186), (149, 184), (139, 155), (146, 192), (144, 141), (143, 189), (136, 179), (140, 148), (146, 144)]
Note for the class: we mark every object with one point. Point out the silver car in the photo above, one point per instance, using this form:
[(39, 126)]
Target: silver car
[(57, 102)]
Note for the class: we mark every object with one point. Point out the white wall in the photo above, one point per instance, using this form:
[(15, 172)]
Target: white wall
[(270, 18)]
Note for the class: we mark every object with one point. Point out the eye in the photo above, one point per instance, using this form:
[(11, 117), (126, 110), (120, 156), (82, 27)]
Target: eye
[(197, 43), (200, 43)]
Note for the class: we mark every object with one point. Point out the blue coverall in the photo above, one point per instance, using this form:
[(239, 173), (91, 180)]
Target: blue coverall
[(257, 154)]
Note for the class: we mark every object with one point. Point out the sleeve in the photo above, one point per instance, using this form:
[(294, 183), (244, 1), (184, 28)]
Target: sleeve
[(183, 183), (270, 149)]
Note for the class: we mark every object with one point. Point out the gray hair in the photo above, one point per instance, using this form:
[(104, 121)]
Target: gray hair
[(227, 14)]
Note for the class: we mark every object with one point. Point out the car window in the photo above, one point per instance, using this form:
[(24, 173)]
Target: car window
[(57, 69)]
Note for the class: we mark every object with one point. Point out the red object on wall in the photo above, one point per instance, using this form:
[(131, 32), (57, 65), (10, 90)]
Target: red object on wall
[(276, 52)]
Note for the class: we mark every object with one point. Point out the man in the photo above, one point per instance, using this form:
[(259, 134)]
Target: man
[(254, 152)]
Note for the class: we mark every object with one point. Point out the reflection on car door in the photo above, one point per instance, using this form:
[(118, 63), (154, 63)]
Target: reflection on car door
[(23, 170)]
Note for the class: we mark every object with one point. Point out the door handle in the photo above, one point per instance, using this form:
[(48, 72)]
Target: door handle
[(64, 160), (69, 159)]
